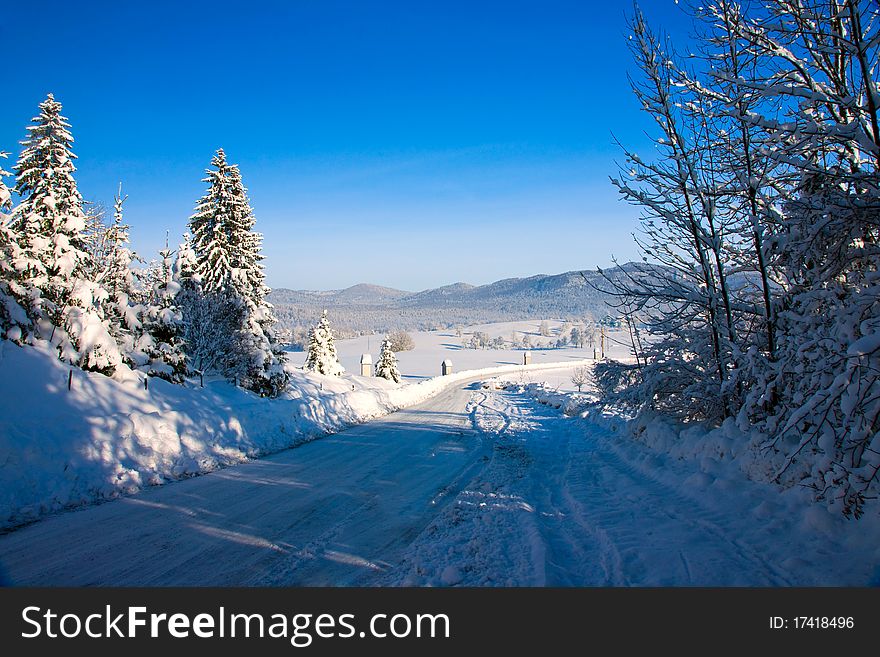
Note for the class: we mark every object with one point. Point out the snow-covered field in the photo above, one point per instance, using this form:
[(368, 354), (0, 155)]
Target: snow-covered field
[(433, 347)]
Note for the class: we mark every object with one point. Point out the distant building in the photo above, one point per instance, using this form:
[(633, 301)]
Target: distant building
[(446, 367), (366, 365)]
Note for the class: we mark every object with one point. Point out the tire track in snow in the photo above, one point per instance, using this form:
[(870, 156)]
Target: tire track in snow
[(705, 520), (594, 518), (648, 499), (576, 551), (510, 527)]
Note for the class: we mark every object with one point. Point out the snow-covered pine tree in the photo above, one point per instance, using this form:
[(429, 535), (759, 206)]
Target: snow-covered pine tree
[(386, 367), (112, 260), (322, 357), (115, 273), (210, 322), (49, 222), (185, 265), (219, 227), (146, 277), (14, 320), (228, 261), (163, 323)]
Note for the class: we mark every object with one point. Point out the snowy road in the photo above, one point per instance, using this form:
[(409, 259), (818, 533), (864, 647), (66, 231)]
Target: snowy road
[(333, 511), (471, 487), (556, 506)]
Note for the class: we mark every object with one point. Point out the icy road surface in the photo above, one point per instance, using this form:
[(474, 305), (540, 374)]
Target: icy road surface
[(472, 487)]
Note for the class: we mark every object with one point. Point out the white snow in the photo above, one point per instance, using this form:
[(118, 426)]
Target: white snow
[(433, 347), (497, 476), (474, 485), (103, 438), (865, 345), (571, 499)]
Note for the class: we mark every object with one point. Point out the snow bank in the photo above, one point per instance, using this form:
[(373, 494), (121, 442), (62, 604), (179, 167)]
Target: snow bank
[(61, 448), (570, 403), (660, 433)]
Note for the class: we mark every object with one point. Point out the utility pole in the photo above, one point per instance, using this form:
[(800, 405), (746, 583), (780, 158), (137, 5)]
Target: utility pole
[(602, 340)]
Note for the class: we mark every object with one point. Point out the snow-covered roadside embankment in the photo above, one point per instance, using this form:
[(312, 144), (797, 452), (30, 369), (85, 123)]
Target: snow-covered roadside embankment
[(61, 448)]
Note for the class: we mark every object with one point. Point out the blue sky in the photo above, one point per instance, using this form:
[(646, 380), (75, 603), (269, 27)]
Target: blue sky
[(409, 144)]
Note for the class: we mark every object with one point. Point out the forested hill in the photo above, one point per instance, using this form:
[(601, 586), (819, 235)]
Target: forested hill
[(367, 308)]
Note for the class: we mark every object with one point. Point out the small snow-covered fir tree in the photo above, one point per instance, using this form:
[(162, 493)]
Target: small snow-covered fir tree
[(228, 263), (111, 260), (322, 357), (163, 323), (386, 367), (116, 257), (49, 223), (186, 263)]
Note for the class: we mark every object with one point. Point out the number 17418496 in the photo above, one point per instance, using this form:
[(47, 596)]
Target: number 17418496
[(812, 623)]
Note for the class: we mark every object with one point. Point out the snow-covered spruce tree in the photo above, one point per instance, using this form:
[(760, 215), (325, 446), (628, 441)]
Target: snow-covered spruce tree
[(163, 324), (112, 260), (49, 222), (210, 323), (186, 263), (219, 228), (229, 266), (322, 357), (14, 321), (387, 365)]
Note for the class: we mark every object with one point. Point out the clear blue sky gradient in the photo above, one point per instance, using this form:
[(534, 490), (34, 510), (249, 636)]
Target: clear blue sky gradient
[(409, 144)]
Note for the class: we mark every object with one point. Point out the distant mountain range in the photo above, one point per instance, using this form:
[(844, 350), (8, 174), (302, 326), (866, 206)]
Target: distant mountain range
[(366, 308)]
